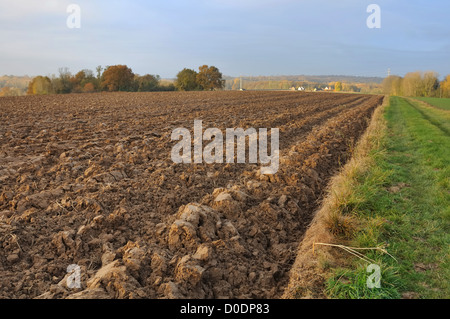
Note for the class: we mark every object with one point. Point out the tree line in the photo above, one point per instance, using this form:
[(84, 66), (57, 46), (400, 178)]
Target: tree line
[(121, 78), (112, 78), (418, 83), (207, 78)]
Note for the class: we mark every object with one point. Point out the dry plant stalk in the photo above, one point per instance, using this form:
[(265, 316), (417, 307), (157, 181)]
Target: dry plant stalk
[(354, 251)]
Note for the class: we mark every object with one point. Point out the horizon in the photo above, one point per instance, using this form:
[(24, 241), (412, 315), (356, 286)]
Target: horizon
[(265, 38), (225, 75)]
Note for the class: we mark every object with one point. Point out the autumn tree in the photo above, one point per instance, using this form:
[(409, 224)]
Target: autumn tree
[(411, 84), (387, 85), (186, 80), (338, 86), (76, 81), (62, 83), (430, 84), (40, 85), (392, 85), (147, 83), (89, 87), (210, 78), (117, 78), (396, 85), (445, 87)]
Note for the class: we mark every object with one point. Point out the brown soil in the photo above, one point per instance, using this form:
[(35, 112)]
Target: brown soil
[(87, 179)]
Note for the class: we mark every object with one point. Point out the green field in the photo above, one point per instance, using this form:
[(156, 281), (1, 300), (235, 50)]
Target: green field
[(437, 102), (403, 203)]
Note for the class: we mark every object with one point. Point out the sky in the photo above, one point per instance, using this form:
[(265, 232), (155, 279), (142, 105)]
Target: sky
[(240, 37)]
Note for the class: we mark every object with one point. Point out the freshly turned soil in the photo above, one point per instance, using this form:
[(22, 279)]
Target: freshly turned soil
[(87, 179)]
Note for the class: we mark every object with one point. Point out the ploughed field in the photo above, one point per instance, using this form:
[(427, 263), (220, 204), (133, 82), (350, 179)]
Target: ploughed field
[(88, 180)]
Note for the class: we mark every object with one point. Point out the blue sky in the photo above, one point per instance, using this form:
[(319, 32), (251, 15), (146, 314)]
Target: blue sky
[(240, 37)]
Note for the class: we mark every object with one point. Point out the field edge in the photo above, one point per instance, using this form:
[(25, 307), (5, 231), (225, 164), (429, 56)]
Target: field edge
[(315, 261)]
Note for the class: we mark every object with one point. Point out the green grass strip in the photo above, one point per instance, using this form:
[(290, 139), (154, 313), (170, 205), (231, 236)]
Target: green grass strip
[(403, 201), (443, 103)]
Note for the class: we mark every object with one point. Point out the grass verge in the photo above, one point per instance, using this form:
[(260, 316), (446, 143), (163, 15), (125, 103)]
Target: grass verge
[(399, 199)]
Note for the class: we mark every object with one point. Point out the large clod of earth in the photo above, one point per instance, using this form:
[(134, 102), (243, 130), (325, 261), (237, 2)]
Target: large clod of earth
[(92, 206)]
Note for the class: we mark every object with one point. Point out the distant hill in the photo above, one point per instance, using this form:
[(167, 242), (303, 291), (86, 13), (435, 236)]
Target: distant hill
[(311, 78), (17, 83), (361, 84)]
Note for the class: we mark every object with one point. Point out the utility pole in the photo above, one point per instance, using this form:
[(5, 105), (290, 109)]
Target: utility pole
[(389, 72), (240, 83)]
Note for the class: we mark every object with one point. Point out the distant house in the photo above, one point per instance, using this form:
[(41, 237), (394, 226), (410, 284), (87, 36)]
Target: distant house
[(301, 88)]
